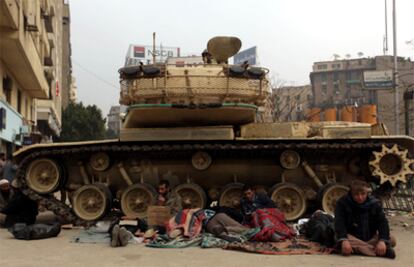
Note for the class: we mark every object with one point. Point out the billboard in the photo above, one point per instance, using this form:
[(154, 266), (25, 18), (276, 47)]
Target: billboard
[(249, 54), (144, 54), (378, 79)]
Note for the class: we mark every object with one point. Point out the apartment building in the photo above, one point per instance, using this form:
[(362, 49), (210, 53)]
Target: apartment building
[(364, 82), (291, 103), (32, 67)]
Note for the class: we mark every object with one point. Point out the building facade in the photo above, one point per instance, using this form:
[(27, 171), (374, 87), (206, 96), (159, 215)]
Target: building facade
[(343, 86), (291, 103), (114, 118), (31, 70)]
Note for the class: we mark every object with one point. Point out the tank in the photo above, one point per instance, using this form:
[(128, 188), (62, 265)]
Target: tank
[(197, 125)]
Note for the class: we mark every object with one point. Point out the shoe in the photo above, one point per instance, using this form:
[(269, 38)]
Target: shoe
[(390, 253), (175, 233), (123, 236), (114, 236)]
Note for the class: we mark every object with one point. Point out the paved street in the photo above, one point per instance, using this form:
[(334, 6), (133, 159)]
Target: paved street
[(61, 252)]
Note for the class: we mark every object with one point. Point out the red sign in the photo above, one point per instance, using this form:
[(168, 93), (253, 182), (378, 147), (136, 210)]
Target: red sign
[(139, 51)]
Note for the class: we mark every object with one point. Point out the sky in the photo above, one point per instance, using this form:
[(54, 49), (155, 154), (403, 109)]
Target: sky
[(290, 35)]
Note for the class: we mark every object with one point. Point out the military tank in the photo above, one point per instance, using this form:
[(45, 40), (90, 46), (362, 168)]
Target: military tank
[(197, 126)]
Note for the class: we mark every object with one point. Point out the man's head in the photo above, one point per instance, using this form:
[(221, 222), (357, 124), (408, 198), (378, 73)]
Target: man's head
[(4, 185), (359, 191), (163, 187), (2, 156), (248, 192)]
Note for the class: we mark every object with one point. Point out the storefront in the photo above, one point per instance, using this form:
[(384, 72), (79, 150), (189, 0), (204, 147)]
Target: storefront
[(11, 123)]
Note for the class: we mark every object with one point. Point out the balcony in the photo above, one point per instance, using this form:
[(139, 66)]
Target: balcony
[(9, 17), (48, 120), (22, 58)]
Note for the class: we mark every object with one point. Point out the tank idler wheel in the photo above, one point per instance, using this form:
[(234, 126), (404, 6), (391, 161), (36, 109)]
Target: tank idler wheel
[(100, 161), (231, 194), (44, 176), (290, 199), (90, 202), (136, 198), (192, 195), (391, 164), (330, 195)]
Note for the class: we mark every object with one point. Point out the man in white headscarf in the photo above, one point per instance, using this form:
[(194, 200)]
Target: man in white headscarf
[(6, 194)]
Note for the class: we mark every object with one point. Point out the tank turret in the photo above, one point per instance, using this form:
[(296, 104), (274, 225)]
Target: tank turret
[(194, 94)]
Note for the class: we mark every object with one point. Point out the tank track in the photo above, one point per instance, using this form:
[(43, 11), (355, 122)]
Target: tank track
[(65, 212)]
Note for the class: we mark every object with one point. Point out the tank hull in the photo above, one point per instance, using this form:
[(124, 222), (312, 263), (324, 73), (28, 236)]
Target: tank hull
[(200, 166)]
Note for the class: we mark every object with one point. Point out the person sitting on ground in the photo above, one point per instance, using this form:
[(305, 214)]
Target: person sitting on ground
[(20, 209), (2, 163), (251, 201), (6, 194), (260, 212), (167, 197), (360, 224)]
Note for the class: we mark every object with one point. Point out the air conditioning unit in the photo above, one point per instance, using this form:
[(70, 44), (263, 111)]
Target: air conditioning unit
[(25, 130)]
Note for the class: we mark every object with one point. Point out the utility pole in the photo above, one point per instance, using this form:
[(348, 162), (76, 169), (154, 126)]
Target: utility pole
[(396, 97), (385, 48)]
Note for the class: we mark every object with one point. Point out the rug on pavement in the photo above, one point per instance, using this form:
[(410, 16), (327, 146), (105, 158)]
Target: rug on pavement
[(287, 247)]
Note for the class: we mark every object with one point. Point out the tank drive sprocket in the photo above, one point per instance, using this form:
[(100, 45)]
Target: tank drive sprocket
[(391, 165)]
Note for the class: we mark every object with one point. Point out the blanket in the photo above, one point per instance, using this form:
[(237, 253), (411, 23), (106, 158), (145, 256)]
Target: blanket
[(190, 221), (204, 240), (272, 224), (287, 247)]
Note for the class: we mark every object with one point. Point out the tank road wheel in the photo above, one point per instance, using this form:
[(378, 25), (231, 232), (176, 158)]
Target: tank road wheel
[(330, 195), (99, 161), (192, 195), (136, 199), (43, 176), (290, 199), (231, 194), (289, 159), (90, 202), (391, 164)]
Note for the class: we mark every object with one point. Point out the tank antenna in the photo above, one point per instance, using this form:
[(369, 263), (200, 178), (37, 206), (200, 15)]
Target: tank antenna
[(153, 48)]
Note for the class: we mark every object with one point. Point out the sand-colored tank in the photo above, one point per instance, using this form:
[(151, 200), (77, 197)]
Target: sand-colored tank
[(194, 125)]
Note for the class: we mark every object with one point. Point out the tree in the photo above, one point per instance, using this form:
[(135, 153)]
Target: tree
[(111, 134), (80, 123)]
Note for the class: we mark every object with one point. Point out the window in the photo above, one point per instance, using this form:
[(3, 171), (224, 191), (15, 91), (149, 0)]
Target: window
[(335, 76), (349, 75), (323, 77), (324, 89), (19, 101), (336, 66), (322, 67), (26, 109), (7, 88), (336, 89)]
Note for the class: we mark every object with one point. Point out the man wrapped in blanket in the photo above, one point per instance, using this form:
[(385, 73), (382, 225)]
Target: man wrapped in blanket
[(260, 211)]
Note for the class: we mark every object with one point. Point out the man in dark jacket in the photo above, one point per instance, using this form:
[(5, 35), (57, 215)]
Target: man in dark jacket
[(360, 224), (20, 209), (251, 201)]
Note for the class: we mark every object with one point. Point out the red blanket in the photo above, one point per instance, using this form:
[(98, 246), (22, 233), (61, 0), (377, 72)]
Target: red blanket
[(272, 225)]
